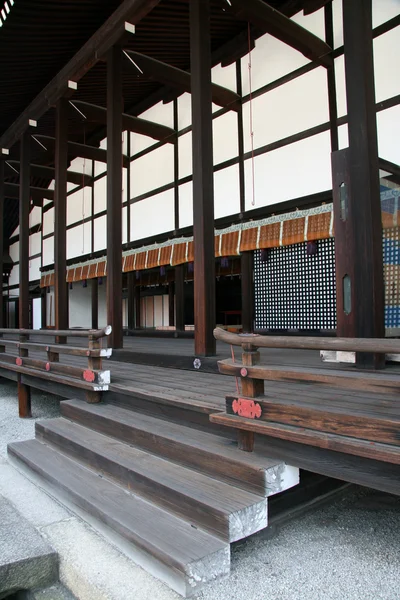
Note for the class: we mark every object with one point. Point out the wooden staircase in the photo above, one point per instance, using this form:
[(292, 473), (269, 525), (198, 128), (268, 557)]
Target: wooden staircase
[(179, 495)]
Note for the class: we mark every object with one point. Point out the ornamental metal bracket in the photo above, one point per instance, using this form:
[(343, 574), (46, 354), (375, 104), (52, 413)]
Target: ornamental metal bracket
[(247, 408)]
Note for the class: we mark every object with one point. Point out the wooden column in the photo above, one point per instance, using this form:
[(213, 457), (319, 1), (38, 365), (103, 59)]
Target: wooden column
[(203, 192), (247, 265), (137, 306), (180, 298), (60, 217), (358, 225), (114, 196), (95, 302), (24, 392), (131, 300), (43, 307), (171, 304), (2, 324)]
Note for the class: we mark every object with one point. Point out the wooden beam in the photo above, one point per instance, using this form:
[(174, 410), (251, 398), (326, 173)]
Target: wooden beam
[(83, 150), (1, 241), (114, 195), (310, 6), (11, 190), (181, 80), (171, 304), (49, 173), (94, 285), (60, 217), (43, 307), (180, 298), (269, 20), (361, 228), (98, 114), (131, 299), (24, 205), (203, 186), (137, 306), (130, 12)]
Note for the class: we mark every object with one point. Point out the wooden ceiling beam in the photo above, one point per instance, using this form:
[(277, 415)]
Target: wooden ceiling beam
[(128, 14), (11, 190), (181, 80), (271, 21), (49, 173), (81, 150), (310, 6), (98, 114)]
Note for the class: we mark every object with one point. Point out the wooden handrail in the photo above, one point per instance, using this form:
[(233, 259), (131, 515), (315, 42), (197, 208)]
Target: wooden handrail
[(375, 345), (93, 333)]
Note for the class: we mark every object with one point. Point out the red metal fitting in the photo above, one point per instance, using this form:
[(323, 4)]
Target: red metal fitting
[(246, 408), (88, 375), (48, 366), (243, 372), (18, 361)]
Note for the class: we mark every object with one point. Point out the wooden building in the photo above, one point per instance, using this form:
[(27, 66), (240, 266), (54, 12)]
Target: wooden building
[(170, 165)]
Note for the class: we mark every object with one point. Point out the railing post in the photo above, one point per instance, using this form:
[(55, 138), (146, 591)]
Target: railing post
[(94, 364), (251, 388), (24, 391)]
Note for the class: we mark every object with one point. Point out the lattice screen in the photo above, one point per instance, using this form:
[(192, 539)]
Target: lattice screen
[(391, 262), (294, 290)]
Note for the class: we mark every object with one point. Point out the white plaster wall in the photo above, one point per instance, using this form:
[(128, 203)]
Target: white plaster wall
[(37, 313), (34, 269), (14, 252), (35, 216), (225, 76), (152, 215), (79, 240), (103, 304), (48, 221), (184, 111), (100, 233), (314, 22), (100, 194), (386, 63), (34, 244), (79, 205), (153, 170), (50, 307), (225, 137), (48, 251), (226, 192), (14, 278), (80, 305), (186, 204), (158, 311), (160, 113), (185, 155), (388, 122)]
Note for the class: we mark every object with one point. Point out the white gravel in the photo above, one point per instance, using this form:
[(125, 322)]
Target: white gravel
[(12, 428), (346, 550)]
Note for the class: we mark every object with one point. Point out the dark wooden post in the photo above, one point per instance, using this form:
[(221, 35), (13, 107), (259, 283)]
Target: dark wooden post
[(1, 242), (60, 218), (203, 192), (95, 302), (247, 264), (251, 388), (171, 304), (180, 298), (24, 392), (114, 196), (358, 225), (131, 300), (137, 306), (43, 307)]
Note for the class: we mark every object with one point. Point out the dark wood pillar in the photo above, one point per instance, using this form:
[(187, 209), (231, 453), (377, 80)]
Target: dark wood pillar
[(114, 195), (137, 306), (131, 300), (358, 225), (180, 298), (171, 304), (95, 303), (43, 307), (247, 265), (24, 202), (60, 217), (2, 324), (24, 392), (203, 192)]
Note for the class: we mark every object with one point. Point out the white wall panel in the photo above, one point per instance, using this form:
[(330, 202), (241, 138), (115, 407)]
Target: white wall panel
[(386, 63), (14, 252), (99, 168), (125, 194), (50, 307), (184, 111), (343, 137), (80, 307), (315, 22), (103, 304), (35, 244), (37, 313), (158, 311), (160, 113), (337, 23), (100, 233), (290, 172), (48, 221), (124, 225), (226, 192), (79, 240), (35, 216), (225, 76), (270, 60), (152, 170), (340, 77), (388, 122), (291, 108), (79, 205), (14, 278), (185, 155), (166, 309), (186, 204), (225, 137), (383, 10), (140, 142), (153, 215), (34, 269), (100, 194), (48, 251), (81, 165)]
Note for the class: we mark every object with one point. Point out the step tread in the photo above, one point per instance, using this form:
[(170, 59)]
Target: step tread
[(166, 537), (218, 494), (216, 444)]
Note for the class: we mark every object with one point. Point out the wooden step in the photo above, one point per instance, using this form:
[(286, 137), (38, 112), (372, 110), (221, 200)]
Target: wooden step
[(205, 452), (224, 510), (168, 547)]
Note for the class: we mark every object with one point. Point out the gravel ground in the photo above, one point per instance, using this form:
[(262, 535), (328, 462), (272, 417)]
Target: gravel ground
[(346, 550), (12, 428)]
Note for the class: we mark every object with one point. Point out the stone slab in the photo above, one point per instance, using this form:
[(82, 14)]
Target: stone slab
[(26, 559)]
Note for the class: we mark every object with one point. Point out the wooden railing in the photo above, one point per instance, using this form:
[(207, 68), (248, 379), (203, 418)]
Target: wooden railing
[(246, 411), (15, 345)]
